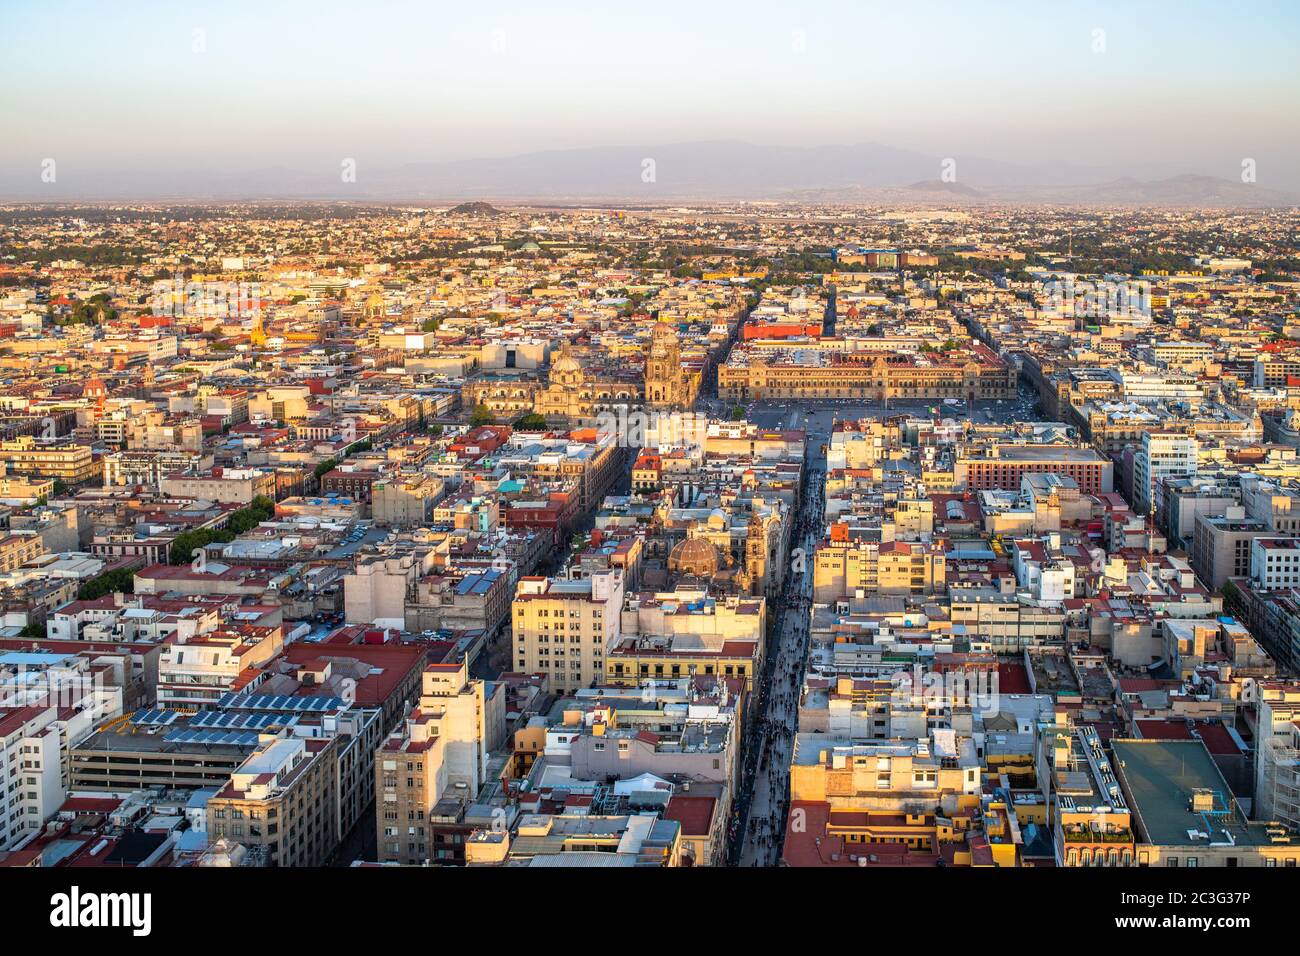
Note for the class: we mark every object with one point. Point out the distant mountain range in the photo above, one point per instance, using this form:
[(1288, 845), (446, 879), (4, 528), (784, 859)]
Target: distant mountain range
[(697, 171)]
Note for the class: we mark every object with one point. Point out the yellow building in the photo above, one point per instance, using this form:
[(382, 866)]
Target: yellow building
[(69, 463), (17, 549), (563, 628), (843, 567)]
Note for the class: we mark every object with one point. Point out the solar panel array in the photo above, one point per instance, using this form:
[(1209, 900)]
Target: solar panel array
[(154, 718), (283, 702), (241, 720), (242, 738)]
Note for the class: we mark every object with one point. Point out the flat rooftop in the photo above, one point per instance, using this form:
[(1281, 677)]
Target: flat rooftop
[(1161, 776)]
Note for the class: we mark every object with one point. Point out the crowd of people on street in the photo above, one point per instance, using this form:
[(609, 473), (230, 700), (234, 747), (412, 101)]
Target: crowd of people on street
[(758, 823)]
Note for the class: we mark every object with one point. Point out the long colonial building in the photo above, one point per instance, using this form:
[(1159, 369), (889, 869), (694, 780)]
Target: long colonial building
[(839, 368)]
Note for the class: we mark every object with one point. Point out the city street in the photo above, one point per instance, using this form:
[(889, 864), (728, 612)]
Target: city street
[(764, 794)]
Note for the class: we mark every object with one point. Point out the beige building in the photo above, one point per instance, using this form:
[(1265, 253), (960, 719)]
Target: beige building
[(1221, 546), (281, 403), (16, 489), (69, 463), (894, 775), (405, 502), (440, 752), (1005, 621), (284, 796), (237, 486), (378, 590), (17, 549), (843, 568), (564, 628)]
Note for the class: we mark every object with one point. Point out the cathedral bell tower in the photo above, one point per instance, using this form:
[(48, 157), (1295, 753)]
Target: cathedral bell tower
[(664, 379)]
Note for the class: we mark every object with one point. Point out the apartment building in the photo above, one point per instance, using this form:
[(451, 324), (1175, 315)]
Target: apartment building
[(1275, 563), (844, 568), (1003, 466), (405, 502), (1277, 754), (31, 772), (1221, 546), (438, 755), (1162, 455), (198, 669), (49, 703), (17, 549), (283, 796), (1090, 819), (237, 486), (564, 627), (1007, 622), (69, 463)]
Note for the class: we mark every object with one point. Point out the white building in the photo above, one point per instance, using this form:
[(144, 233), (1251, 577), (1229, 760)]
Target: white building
[(1162, 455), (1275, 563), (1277, 763), (48, 703)]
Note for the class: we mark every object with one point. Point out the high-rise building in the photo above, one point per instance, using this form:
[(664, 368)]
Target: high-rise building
[(563, 627), (1162, 455), (439, 755)]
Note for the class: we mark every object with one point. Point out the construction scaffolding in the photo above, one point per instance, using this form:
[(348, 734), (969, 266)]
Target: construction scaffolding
[(1280, 792)]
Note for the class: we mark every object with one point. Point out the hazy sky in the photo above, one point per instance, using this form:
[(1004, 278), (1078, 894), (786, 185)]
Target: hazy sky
[(236, 85)]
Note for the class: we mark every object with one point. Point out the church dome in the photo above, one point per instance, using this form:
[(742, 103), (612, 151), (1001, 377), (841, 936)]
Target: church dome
[(694, 556)]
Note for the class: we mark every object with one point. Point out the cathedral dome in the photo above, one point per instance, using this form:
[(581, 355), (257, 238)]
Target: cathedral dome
[(565, 366)]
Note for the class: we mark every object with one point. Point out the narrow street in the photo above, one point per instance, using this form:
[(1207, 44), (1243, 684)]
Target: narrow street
[(764, 792)]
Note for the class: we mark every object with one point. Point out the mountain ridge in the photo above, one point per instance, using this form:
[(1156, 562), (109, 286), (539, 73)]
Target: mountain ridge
[(720, 170)]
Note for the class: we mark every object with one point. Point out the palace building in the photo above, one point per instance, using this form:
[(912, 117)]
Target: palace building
[(837, 368)]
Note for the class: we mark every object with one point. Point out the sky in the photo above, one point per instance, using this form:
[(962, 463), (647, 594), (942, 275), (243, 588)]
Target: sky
[(1182, 85)]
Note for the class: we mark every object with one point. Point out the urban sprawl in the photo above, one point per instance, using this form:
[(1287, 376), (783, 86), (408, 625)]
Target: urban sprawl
[(739, 534)]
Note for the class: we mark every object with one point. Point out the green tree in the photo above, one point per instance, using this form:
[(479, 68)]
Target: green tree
[(481, 415), (183, 544), (259, 509), (122, 580)]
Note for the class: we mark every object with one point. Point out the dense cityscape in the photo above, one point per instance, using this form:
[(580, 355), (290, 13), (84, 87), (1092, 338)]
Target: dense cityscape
[(698, 536), (725, 445)]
